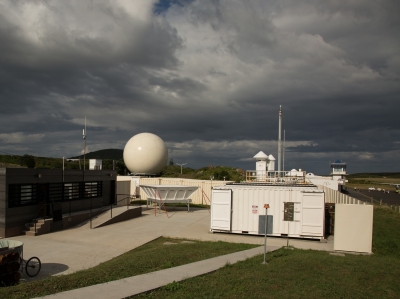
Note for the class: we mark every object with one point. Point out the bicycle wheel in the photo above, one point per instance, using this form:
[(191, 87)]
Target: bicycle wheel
[(32, 266)]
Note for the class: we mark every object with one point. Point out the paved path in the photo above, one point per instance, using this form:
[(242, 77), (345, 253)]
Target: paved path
[(391, 198), (141, 283)]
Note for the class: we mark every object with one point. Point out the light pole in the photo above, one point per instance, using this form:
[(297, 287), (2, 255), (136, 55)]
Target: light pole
[(211, 178), (283, 152), (63, 168), (181, 165), (63, 165)]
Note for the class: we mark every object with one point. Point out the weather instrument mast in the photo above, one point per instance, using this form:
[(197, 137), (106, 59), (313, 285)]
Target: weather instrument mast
[(280, 142)]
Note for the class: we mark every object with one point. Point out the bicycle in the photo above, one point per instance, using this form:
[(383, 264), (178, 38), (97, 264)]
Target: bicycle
[(13, 264), (32, 266)]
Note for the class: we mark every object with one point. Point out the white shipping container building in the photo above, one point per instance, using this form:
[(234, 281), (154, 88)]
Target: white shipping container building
[(239, 208)]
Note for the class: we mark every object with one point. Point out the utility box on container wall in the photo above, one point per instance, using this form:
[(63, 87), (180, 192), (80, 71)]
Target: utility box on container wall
[(239, 208)]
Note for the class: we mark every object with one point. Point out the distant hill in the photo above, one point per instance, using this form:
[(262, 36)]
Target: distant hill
[(113, 154)]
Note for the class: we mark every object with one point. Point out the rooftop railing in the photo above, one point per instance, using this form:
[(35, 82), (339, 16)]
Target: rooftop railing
[(275, 177)]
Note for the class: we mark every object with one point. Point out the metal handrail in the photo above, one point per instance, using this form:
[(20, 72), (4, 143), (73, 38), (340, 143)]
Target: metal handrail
[(40, 209), (111, 205), (125, 198), (91, 214), (275, 177), (204, 194)]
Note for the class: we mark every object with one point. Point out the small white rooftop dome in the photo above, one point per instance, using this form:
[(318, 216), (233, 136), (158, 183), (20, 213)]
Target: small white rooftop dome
[(261, 156), (271, 158), (310, 174)]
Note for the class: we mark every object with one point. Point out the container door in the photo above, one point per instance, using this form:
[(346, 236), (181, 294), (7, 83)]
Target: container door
[(313, 213), (221, 208)]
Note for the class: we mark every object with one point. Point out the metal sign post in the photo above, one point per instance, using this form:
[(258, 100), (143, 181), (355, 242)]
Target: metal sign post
[(266, 207), (288, 215)]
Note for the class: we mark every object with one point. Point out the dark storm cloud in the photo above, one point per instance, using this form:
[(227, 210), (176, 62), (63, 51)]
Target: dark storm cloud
[(333, 68), (58, 59), (207, 76), (52, 74), (105, 36)]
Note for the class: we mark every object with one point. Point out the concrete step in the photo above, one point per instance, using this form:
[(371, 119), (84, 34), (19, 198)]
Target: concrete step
[(38, 222), (31, 228), (31, 233), (32, 224)]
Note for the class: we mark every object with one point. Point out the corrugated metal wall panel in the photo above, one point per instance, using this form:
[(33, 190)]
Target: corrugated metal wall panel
[(312, 222), (333, 196), (221, 212)]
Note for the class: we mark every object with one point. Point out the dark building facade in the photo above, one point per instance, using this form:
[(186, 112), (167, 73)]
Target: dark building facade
[(26, 194)]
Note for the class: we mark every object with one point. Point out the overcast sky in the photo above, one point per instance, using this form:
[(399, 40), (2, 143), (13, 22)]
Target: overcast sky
[(207, 76)]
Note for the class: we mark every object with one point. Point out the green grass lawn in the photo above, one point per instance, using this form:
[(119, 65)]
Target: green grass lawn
[(306, 273), (294, 274), (354, 184), (377, 182)]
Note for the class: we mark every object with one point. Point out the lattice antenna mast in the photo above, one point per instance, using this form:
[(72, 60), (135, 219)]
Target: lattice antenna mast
[(84, 147)]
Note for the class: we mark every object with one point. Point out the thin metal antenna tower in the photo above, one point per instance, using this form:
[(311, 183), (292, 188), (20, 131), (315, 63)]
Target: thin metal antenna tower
[(280, 142), (84, 149), (284, 149)]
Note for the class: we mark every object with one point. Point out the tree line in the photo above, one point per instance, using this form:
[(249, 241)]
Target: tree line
[(30, 161), (170, 170)]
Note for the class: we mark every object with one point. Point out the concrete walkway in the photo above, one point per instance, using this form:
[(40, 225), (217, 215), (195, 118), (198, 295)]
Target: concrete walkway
[(142, 283), (80, 248)]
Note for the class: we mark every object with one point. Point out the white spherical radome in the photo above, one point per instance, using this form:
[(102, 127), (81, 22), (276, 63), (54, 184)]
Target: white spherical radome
[(145, 153)]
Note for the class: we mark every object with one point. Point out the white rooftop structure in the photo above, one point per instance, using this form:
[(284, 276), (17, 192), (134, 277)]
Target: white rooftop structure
[(261, 156), (95, 164), (295, 172)]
